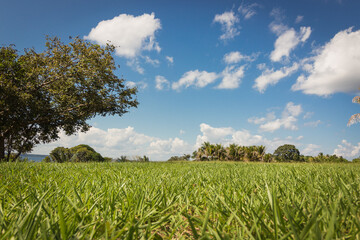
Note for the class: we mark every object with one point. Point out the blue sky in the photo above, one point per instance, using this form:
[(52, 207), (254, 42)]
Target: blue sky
[(245, 72)]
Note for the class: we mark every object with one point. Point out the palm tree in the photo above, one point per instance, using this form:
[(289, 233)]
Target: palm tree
[(232, 152), (356, 117), (260, 153), (219, 152)]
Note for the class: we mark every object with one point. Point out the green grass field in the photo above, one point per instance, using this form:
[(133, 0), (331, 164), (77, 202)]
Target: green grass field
[(179, 201)]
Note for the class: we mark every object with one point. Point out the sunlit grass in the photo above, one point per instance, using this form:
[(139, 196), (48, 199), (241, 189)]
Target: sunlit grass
[(179, 201)]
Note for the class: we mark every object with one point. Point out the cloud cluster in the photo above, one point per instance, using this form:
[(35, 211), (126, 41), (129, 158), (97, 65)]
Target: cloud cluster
[(335, 68), (228, 22), (347, 150), (130, 34), (287, 121), (115, 142)]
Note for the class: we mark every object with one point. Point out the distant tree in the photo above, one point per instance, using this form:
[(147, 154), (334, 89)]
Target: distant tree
[(268, 157), (356, 160), (57, 90), (79, 153), (61, 154), (287, 153), (185, 157), (356, 117)]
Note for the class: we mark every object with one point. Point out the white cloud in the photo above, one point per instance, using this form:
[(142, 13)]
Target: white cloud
[(161, 83), (115, 142), (308, 115), (248, 11), (135, 65), (170, 59), (287, 41), (299, 19), (236, 57), (299, 137), (347, 150), (335, 68), (271, 77), (310, 150), (287, 121), (312, 124), (131, 84), (195, 78), (151, 61), (231, 77), (130, 34), (269, 117), (227, 21)]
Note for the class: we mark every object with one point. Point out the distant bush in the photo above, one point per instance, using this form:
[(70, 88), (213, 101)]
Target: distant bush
[(185, 157), (80, 153)]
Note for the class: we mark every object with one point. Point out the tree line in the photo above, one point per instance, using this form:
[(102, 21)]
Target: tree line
[(237, 153)]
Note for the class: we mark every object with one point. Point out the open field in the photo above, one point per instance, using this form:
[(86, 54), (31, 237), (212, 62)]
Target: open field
[(179, 201)]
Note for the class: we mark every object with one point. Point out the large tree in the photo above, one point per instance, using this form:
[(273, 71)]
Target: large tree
[(59, 89)]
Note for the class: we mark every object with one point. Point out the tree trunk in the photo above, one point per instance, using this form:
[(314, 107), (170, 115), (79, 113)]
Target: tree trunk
[(2, 148)]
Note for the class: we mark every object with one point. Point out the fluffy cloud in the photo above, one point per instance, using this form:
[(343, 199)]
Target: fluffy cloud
[(287, 41), (271, 77), (130, 34), (227, 21), (287, 121), (347, 150), (236, 57), (335, 68), (231, 77), (195, 78), (115, 142), (161, 83)]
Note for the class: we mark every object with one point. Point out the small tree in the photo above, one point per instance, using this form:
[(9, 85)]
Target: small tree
[(287, 153)]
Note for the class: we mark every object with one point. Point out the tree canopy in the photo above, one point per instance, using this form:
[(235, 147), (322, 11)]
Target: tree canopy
[(287, 153), (57, 90)]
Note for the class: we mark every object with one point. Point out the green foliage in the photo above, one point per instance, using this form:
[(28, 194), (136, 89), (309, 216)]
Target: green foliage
[(79, 153), (234, 152), (203, 200), (287, 153), (108, 159), (356, 160), (321, 158), (185, 157), (58, 89), (61, 154), (47, 159)]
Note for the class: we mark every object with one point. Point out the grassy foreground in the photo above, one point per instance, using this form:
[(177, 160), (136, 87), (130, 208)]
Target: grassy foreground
[(179, 201)]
